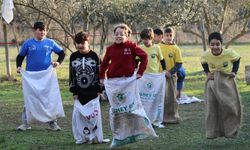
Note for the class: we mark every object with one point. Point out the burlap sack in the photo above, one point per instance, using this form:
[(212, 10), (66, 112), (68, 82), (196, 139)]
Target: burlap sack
[(223, 106), (171, 114), (247, 74)]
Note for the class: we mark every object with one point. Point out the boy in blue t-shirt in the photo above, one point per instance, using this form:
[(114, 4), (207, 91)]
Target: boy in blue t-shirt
[(38, 52)]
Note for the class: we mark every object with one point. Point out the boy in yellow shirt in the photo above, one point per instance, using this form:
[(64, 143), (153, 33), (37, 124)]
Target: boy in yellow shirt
[(155, 57), (172, 55), (223, 105)]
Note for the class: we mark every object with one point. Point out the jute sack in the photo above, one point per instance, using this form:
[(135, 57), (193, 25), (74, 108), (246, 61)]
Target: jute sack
[(171, 114), (128, 120), (223, 106), (247, 74)]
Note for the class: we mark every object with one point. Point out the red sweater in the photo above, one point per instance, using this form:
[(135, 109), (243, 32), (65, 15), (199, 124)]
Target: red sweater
[(119, 60)]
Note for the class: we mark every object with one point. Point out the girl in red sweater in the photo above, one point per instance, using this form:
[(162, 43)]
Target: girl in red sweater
[(119, 60), (128, 120)]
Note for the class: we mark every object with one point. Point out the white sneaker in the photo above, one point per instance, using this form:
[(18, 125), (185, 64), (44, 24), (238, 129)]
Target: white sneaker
[(24, 127), (161, 126), (105, 140), (54, 127)]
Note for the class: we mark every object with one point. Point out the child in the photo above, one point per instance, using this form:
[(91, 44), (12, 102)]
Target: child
[(152, 84), (158, 36), (128, 119), (153, 51), (181, 74), (85, 86), (172, 55), (122, 54), (38, 51), (223, 105)]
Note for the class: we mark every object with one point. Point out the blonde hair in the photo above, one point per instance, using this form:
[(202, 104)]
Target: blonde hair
[(128, 31)]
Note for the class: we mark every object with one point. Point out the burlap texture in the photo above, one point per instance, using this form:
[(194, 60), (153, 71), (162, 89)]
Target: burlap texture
[(247, 74), (223, 106), (171, 114)]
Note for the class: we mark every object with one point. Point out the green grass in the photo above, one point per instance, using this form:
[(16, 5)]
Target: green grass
[(189, 135)]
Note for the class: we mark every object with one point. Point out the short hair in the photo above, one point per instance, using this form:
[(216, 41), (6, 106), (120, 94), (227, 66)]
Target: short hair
[(169, 30), (158, 31), (215, 35), (39, 25), (147, 34), (128, 31), (80, 37)]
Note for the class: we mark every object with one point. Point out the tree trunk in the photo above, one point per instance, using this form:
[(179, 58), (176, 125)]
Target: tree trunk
[(15, 37), (203, 35), (8, 67), (104, 34), (94, 34)]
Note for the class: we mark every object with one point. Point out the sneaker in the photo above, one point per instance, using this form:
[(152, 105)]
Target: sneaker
[(24, 127), (161, 126), (105, 140), (54, 127)]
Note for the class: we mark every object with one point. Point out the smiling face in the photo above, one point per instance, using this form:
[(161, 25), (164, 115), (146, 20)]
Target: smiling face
[(120, 35), (215, 46), (40, 34)]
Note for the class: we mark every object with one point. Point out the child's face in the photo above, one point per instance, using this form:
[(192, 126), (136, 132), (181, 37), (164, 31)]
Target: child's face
[(120, 36), (215, 46), (83, 47), (147, 42), (40, 33), (169, 37), (158, 38)]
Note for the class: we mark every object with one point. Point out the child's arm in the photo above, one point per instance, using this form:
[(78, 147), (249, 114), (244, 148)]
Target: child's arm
[(19, 61), (72, 83), (236, 65), (104, 65), (163, 64), (205, 67), (143, 60), (235, 68), (176, 67)]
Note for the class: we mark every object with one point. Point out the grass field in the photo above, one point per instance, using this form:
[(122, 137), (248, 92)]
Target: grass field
[(188, 135)]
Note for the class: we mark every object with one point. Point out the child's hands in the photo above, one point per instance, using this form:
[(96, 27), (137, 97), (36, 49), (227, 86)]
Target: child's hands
[(168, 74), (102, 82), (138, 76), (18, 69), (75, 97), (232, 75), (210, 76), (55, 64)]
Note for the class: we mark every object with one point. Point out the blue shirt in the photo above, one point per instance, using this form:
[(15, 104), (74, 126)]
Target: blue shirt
[(38, 53)]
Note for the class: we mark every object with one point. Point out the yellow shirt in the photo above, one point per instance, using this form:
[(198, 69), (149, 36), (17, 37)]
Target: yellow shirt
[(154, 58), (223, 62), (171, 54)]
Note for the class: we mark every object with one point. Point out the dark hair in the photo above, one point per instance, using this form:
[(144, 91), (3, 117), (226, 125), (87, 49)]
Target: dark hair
[(215, 35), (158, 31), (39, 25), (147, 34), (169, 30), (80, 37)]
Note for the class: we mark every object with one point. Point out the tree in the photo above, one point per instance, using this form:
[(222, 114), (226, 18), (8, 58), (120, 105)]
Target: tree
[(231, 18), (64, 15)]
